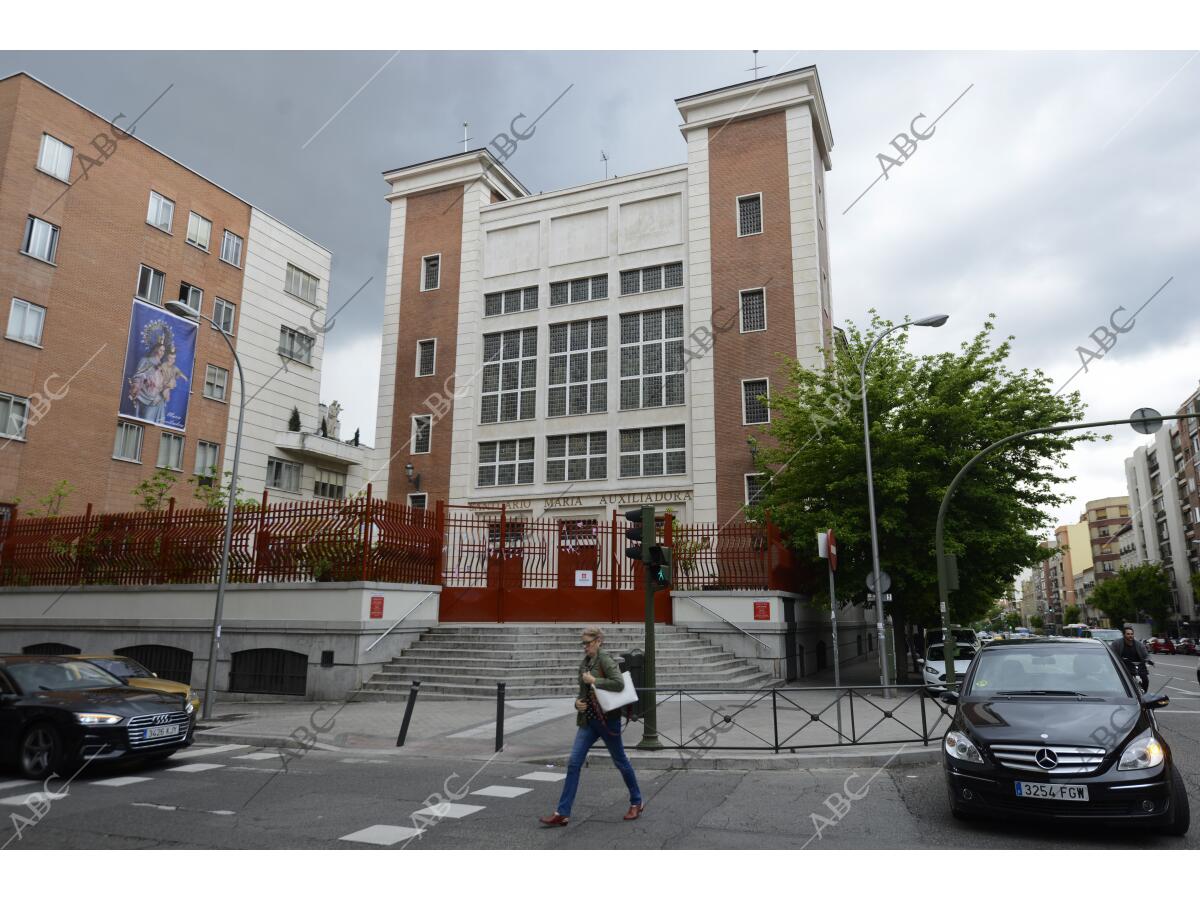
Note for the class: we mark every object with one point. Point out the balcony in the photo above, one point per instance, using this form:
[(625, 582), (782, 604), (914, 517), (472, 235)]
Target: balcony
[(321, 449)]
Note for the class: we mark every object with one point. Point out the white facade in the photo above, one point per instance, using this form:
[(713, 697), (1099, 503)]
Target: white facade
[(275, 383)]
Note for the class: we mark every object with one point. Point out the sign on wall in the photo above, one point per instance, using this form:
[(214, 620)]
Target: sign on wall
[(585, 578), (377, 607), (762, 610), (159, 362)]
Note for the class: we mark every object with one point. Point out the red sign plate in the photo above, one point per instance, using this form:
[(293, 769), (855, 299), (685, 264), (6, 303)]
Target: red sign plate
[(762, 610), (376, 607)]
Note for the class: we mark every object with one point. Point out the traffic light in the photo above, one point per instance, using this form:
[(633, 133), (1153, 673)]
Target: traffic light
[(641, 535), (659, 566)]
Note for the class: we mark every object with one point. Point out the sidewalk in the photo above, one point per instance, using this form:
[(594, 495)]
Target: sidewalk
[(717, 731)]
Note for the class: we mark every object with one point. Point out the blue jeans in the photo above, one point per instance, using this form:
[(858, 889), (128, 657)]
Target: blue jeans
[(610, 733)]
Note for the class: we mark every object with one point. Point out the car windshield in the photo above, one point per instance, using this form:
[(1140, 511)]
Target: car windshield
[(123, 668), (67, 675), (937, 653), (1047, 669)]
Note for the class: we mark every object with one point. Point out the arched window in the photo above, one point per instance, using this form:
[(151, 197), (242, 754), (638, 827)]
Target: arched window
[(50, 648), (269, 670), (171, 663)]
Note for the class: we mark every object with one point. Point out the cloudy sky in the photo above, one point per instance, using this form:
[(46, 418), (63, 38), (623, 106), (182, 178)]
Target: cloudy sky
[(1058, 188)]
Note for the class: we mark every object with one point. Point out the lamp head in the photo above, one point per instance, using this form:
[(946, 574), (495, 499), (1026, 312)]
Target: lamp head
[(408, 470), (180, 309), (932, 321)]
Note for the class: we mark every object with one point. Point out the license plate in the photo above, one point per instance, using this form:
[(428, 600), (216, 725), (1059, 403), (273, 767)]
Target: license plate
[(1040, 791), (158, 731)]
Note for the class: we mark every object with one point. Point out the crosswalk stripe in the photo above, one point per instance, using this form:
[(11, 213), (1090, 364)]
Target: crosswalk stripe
[(196, 767), (5, 785), (258, 756), (123, 781), (450, 810), (382, 835), (208, 750), (501, 790), (37, 797), (542, 776)]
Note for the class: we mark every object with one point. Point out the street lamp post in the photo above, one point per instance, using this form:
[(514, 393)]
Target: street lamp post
[(929, 322), (210, 679)]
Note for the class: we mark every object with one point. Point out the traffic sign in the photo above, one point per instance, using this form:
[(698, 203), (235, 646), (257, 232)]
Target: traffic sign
[(1146, 420), (832, 543), (884, 578)]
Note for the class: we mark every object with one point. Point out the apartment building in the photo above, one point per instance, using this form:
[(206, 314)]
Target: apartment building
[(1165, 508), (604, 346), (100, 385)]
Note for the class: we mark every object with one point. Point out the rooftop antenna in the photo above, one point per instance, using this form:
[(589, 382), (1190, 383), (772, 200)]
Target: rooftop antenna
[(754, 68), (466, 137), (604, 156)]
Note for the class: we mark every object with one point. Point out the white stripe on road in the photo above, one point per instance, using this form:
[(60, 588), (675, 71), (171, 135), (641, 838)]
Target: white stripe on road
[(543, 776), (449, 811), (1177, 712), (1171, 665), (5, 785), (208, 750), (124, 781), (500, 790), (196, 767), (383, 835), (258, 756), (37, 798), (555, 710)]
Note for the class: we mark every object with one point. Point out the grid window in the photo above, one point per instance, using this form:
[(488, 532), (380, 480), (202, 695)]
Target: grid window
[(652, 358), (150, 285), (330, 485), (503, 463), (511, 301), (216, 382), (577, 457), (54, 158), (295, 345), (208, 458), (199, 231), (191, 295), (754, 310), (170, 451), (578, 368), (431, 272), (652, 278), (161, 212), (300, 284), (422, 434), (41, 239), (755, 410), (129, 442), (223, 315), (14, 415), (426, 356), (750, 215), (231, 249), (418, 501), (25, 321), (660, 450), (509, 375), (755, 483), (283, 475), (579, 290)]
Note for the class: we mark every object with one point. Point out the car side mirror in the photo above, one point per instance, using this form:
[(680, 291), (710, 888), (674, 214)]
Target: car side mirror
[(950, 698), (1155, 701)]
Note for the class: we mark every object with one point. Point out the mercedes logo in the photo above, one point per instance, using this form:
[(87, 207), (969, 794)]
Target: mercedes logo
[(1046, 758)]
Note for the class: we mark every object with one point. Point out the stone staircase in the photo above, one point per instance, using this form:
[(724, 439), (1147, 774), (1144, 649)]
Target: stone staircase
[(466, 661)]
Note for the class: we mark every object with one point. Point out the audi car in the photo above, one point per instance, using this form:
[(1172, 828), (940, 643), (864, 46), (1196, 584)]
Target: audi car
[(56, 713), (1055, 729)]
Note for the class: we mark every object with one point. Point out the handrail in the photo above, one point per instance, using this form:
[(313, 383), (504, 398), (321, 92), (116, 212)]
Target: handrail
[(428, 594), (727, 622)]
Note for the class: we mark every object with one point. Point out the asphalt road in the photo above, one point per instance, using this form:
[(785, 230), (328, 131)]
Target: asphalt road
[(220, 796)]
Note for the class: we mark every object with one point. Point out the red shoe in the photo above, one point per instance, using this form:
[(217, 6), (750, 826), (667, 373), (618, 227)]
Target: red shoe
[(555, 819), (634, 812)]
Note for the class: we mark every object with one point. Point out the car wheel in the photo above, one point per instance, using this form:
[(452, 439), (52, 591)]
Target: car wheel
[(40, 751), (1181, 814)]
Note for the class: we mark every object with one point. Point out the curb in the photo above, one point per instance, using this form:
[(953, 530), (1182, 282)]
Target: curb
[(673, 761)]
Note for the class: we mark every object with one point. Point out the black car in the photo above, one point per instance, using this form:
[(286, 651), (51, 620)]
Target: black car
[(56, 712), (1056, 729)]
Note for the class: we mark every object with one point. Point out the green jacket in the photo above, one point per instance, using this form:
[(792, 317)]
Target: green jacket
[(608, 678)]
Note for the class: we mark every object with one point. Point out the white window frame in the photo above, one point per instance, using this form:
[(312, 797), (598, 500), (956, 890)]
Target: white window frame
[(587, 456), (594, 291), (737, 214), (241, 242), (524, 296), (741, 310), (223, 381), (516, 462), (425, 500), (664, 372), (168, 439), (31, 223), (194, 217), (192, 291), (746, 381), (154, 274), (298, 338), (56, 172), (285, 466), (22, 421), (219, 305), (151, 208), (746, 483), (412, 438), (641, 272), (302, 280), (590, 380), (433, 366), (642, 451), (202, 448), (323, 477), (521, 360), (424, 262), (124, 428), (25, 307)]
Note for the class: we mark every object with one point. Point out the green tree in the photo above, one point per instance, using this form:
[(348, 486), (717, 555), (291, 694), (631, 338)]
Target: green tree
[(294, 420), (49, 506), (1070, 614), (152, 493), (213, 495), (1012, 620), (1134, 593), (1037, 622), (929, 416)]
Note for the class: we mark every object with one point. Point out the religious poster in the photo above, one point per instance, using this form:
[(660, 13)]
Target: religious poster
[(159, 363)]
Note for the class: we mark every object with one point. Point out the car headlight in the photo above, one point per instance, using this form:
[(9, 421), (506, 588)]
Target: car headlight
[(1143, 752), (959, 746), (193, 700), (97, 718), (931, 670)]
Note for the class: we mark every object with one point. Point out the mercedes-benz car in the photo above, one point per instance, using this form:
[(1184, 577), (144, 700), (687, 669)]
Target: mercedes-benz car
[(1054, 728), (56, 713)]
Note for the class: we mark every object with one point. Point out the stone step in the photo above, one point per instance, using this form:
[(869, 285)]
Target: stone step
[(398, 693), (551, 684), (561, 646), (425, 651)]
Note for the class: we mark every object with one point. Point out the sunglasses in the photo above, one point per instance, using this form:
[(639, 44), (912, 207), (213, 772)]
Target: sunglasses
[(588, 643)]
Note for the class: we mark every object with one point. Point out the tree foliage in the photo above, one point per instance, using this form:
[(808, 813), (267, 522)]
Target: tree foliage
[(1070, 615), (1135, 593), (929, 415), (152, 494)]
